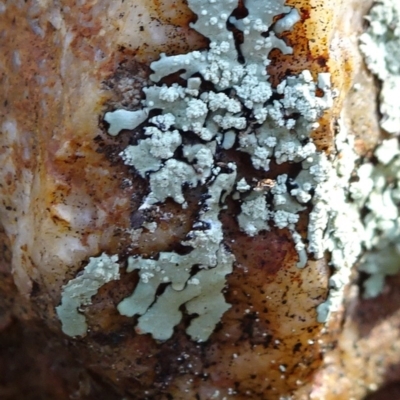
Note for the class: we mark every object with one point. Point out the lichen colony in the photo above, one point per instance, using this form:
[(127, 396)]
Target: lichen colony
[(223, 102)]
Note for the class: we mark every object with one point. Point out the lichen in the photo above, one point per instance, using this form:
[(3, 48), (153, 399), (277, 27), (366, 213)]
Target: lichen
[(124, 119), (365, 220), (380, 45), (200, 292), (377, 194), (254, 215), (79, 291), (335, 225), (228, 102), (215, 117)]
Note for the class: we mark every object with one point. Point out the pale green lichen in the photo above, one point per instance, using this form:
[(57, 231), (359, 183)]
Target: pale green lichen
[(368, 221), (287, 22), (148, 154), (124, 119), (199, 292), (242, 112), (215, 117), (254, 215), (79, 291), (242, 186), (380, 45), (168, 181), (334, 222), (377, 193), (201, 295), (379, 264), (201, 156)]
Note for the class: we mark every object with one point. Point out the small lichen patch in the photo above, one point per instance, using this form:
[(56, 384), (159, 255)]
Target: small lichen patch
[(79, 291), (123, 119), (254, 216)]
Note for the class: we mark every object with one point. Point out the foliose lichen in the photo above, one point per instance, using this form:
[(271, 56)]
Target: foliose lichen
[(227, 102), (241, 111), (200, 292), (79, 291)]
